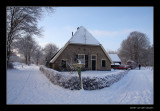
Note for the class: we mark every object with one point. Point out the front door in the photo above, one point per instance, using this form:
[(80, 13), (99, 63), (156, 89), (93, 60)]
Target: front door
[(93, 64)]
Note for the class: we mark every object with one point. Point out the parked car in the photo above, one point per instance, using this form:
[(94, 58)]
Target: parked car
[(121, 67)]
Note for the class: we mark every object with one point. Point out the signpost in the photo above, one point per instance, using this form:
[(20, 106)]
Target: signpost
[(79, 66)]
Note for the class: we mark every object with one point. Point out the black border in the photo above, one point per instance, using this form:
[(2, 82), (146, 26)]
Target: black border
[(81, 3)]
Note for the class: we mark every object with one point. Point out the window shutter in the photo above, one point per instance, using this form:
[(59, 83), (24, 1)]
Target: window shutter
[(75, 59), (86, 61)]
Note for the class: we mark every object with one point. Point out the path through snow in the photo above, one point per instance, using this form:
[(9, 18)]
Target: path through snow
[(28, 85)]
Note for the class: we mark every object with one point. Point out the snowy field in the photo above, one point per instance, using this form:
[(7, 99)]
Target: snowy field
[(27, 85)]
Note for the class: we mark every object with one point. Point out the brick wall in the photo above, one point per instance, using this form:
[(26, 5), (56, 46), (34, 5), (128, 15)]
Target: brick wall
[(73, 49)]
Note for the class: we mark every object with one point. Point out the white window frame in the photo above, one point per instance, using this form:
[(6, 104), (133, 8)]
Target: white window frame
[(84, 58)]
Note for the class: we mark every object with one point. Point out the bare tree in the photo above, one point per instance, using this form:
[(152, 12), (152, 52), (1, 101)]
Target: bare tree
[(135, 47), (26, 46), (112, 52), (150, 56), (37, 55), (22, 21), (49, 50)]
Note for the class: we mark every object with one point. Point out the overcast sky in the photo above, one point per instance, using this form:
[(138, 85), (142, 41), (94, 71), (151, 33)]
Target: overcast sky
[(109, 25)]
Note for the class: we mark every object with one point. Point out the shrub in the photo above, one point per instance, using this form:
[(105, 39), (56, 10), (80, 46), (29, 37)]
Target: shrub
[(72, 82)]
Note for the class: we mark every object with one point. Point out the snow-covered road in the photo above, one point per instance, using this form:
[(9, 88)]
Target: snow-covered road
[(135, 88), (28, 85)]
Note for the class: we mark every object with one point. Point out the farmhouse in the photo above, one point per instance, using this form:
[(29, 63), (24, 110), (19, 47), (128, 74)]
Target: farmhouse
[(84, 47), (116, 60)]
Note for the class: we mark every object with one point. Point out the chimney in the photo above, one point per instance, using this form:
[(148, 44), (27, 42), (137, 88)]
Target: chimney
[(77, 28), (72, 33)]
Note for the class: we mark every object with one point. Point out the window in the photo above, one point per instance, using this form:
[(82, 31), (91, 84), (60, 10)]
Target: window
[(103, 63), (63, 63), (86, 61), (93, 57), (81, 57)]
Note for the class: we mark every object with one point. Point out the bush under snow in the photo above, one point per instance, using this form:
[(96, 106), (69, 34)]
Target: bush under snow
[(72, 81), (58, 78), (101, 82)]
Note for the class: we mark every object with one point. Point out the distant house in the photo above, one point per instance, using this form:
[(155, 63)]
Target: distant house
[(84, 47), (116, 60)]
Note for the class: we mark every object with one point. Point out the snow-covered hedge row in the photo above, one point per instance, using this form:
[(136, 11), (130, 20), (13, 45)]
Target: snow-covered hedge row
[(72, 82), (99, 83), (60, 79)]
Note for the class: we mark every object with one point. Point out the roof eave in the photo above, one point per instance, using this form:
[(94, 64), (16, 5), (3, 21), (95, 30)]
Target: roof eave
[(53, 60), (106, 54)]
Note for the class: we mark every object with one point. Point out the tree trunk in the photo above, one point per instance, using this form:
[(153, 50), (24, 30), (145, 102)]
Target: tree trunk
[(29, 59), (8, 54), (26, 61), (37, 62), (8, 57)]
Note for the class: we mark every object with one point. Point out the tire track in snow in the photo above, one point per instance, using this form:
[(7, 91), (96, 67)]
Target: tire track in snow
[(116, 92), (137, 91), (127, 94), (150, 90), (122, 91), (129, 86)]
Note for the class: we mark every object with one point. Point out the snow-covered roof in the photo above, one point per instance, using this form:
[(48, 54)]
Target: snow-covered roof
[(82, 36), (114, 57), (115, 64)]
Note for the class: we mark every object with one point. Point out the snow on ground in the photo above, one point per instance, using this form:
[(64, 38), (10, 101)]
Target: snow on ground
[(28, 85)]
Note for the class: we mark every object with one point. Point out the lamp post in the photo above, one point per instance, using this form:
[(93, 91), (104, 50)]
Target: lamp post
[(79, 66)]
